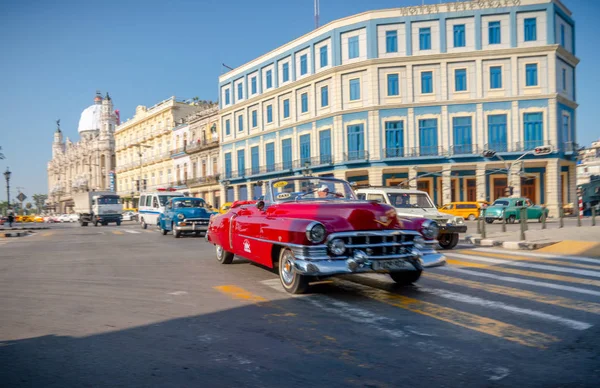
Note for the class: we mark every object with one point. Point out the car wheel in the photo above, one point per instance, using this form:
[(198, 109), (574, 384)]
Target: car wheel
[(292, 282), (511, 219), (471, 217), (176, 233), (84, 224), (448, 241), (96, 223), (164, 232), (223, 256), (405, 278), (118, 223), (489, 220), (540, 219), (197, 234), (144, 224)]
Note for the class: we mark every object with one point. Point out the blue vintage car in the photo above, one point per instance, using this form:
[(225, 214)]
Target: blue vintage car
[(185, 215)]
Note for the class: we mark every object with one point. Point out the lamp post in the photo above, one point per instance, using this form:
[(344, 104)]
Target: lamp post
[(7, 174), (306, 170), (226, 185)]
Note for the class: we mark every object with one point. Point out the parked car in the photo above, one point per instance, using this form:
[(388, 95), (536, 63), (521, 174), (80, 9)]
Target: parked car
[(130, 216), (50, 219), (38, 219), (418, 204), (468, 210), (184, 215), (225, 207), (510, 210), (311, 228), (64, 218)]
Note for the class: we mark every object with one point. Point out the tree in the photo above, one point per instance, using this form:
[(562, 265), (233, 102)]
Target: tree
[(39, 200)]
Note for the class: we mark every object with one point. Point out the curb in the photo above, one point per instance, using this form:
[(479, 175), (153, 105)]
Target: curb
[(24, 229), (14, 234), (512, 245)]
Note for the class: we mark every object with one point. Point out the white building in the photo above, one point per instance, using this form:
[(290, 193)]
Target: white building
[(387, 96), (589, 163)]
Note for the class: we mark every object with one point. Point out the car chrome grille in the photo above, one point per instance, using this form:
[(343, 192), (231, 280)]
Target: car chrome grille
[(377, 244)]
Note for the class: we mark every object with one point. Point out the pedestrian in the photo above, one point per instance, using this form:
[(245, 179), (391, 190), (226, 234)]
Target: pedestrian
[(11, 219)]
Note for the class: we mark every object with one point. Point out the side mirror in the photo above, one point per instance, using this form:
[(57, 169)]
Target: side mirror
[(260, 205)]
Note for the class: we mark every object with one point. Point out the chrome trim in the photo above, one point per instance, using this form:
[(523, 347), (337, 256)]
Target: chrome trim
[(309, 228), (375, 233)]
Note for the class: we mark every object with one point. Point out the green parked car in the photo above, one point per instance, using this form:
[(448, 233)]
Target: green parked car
[(509, 209)]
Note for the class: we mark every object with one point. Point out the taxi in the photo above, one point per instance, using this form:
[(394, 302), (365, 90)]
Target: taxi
[(225, 207), (466, 210)]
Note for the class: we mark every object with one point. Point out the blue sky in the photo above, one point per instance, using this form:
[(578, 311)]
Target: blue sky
[(55, 57)]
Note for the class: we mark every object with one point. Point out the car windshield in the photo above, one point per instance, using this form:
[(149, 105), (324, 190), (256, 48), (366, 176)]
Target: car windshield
[(310, 189), (500, 203), (109, 201), (164, 198), (406, 200), (188, 202)]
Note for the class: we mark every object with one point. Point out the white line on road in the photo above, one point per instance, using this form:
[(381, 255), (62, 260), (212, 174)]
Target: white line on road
[(584, 272), (522, 281), (577, 325), (131, 231), (541, 255)]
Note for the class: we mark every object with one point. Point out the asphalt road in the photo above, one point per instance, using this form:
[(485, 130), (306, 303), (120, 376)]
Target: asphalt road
[(122, 307)]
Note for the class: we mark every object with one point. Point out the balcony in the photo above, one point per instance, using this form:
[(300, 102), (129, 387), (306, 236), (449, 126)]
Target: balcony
[(177, 151), (204, 180), (464, 150), (356, 156), (201, 145), (315, 161)]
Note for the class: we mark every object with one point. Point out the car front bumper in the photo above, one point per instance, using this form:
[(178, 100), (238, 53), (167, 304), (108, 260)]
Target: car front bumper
[(191, 227), (450, 228)]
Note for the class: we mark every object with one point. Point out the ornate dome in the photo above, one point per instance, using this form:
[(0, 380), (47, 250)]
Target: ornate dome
[(90, 119)]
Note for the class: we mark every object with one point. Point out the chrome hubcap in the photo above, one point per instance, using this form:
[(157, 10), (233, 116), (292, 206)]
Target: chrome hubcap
[(287, 269), (219, 251)]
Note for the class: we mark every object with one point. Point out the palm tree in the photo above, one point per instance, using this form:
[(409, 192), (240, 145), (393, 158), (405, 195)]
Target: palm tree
[(1, 154)]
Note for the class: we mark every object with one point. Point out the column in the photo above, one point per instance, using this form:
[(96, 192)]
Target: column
[(236, 193), (481, 185), (412, 178), (573, 184), (212, 197), (514, 178), (446, 186), (223, 194), (250, 190), (375, 176), (553, 188)]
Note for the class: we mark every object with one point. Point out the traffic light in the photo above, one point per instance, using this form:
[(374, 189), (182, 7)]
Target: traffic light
[(488, 154), (137, 185), (145, 181), (542, 150)]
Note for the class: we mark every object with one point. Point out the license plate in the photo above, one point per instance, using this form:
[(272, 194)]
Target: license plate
[(390, 265)]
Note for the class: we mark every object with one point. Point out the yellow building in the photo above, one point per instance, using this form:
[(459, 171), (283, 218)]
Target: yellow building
[(143, 147)]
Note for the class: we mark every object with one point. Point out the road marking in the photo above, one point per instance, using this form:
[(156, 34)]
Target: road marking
[(470, 321), (473, 300), (148, 231), (521, 281), (47, 234), (559, 278), (535, 260), (589, 307), (583, 272), (276, 285), (178, 293), (131, 231), (543, 255), (570, 247), (117, 232), (236, 292)]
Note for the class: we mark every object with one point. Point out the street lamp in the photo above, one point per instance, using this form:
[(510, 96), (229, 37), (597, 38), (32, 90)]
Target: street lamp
[(7, 176), (141, 153)]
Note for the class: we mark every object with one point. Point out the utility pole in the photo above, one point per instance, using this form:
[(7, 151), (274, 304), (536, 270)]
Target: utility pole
[(140, 153), (317, 13)]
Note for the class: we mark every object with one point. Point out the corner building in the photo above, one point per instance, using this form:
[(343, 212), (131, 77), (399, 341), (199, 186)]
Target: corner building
[(413, 94)]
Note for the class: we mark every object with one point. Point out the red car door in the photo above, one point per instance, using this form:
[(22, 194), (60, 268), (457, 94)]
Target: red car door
[(247, 235)]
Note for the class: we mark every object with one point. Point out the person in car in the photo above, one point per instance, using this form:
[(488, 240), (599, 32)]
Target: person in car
[(323, 191)]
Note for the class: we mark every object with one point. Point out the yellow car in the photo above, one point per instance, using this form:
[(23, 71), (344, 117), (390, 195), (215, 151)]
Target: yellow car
[(38, 219), (467, 210), (225, 207)]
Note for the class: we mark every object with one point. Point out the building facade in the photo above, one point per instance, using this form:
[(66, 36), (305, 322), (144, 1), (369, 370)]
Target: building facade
[(85, 165), (144, 148), (589, 163), (413, 95)]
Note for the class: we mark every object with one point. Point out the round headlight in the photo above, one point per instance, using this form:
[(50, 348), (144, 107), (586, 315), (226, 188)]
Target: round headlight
[(337, 246), (459, 220), (419, 242), (180, 216), (430, 229), (315, 232)]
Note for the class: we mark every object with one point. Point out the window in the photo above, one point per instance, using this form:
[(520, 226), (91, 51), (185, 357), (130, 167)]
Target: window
[(392, 85), (425, 38), (566, 132), (227, 97), (286, 153), (286, 109), (428, 144), (269, 77), (254, 119), (355, 89), (253, 85), (562, 35), (227, 127), (241, 162), (228, 165), (240, 91), (494, 32), (254, 160), (530, 32), (269, 113), (564, 79), (460, 80), (459, 35), (304, 149), (356, 142), (324, 96), (533, 126), (462, 130), (323, 56), (325, 147), (394, 139), (304, 102), (391, 41), (426, 82), (531, 74), (240, 123), (497, 133), (270, 156), (303, 65), (353, 50), (285, 72), (496, 77)]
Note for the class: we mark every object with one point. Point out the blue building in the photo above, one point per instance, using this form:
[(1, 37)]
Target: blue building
[(413, 95)]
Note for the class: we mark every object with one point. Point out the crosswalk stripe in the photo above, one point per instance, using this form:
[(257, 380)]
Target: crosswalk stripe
[(470, 321), (236, 292), (132, 231), (117, 232), (532, 259), (514, 263), (560, 278), (47, 234), (544, 255), (573, 304), (521, 281)]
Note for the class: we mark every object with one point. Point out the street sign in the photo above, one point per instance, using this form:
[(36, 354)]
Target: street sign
[(542, 150), (21, 197)]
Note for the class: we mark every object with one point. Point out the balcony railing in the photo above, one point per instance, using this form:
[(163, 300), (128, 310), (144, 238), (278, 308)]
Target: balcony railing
[(177, 151), (200, 145), (498, 147), (209, 179), (397, 152), (358, 155)]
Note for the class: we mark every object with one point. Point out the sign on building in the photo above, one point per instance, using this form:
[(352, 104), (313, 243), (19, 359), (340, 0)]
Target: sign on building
[(111, 176)]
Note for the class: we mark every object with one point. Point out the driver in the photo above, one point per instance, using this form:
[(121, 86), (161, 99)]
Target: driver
[(323, 191)]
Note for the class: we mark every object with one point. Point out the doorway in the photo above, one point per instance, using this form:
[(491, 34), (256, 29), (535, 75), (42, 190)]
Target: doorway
[(500, 185), (471, 189), (528, 189)]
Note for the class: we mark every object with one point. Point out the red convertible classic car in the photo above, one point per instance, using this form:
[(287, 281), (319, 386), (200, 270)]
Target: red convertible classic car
[(315, 227)]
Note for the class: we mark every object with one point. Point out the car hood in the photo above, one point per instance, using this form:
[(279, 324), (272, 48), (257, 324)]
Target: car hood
[(194, 212), (340, 216), (430, 213)]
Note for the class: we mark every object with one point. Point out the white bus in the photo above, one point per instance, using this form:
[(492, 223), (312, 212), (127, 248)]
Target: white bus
[(152, 205)]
